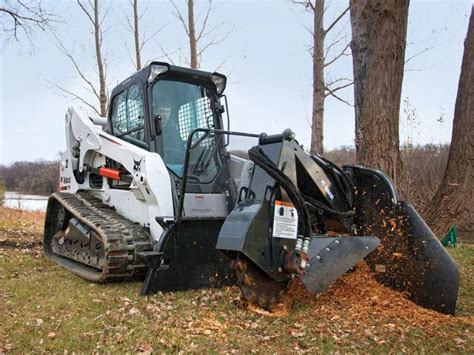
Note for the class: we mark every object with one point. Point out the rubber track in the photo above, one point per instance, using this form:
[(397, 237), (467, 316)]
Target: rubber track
[(121, 237)]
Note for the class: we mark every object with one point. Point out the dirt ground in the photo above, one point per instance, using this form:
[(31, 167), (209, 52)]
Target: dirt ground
[(44, 308)]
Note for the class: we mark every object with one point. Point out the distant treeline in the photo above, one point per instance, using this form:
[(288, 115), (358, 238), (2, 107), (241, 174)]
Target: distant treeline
[(39, 177), (422, 171)]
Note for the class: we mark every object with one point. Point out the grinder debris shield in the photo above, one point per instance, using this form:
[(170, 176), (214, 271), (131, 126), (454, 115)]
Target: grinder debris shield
[(410, 258)]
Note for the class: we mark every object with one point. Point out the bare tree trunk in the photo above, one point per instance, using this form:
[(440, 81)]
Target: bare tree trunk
[(378, 44), (454, 199), (136, 38), (100, 62), (319, 88), (192, 36), (197, 29), (92, 12), (320, 54)]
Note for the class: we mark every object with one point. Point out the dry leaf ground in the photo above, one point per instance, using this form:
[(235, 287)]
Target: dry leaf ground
[(46, 309)]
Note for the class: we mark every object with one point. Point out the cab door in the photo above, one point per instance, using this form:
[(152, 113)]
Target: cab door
[(127, 116), (179, 107)]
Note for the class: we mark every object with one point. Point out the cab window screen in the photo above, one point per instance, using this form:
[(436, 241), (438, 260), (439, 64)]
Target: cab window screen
[(128, 120), (181, 108), (195, 114)]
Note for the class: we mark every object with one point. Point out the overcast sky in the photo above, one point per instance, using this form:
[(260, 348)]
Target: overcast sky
[(266, 58)]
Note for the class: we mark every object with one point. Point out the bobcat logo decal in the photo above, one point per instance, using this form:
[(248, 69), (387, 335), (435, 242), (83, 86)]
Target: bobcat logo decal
[(137, 165)]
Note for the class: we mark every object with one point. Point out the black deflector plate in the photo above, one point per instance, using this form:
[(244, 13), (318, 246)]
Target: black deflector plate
[(330, 258)]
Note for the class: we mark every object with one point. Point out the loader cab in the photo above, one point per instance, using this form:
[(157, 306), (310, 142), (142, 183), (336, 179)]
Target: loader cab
[(160, 106)]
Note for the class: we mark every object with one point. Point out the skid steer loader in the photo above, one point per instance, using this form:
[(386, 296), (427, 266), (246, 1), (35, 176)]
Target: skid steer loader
[(152, 192)]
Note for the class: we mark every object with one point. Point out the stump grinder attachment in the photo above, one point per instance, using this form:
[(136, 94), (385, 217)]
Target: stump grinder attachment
[(152, 192), (344, 216)]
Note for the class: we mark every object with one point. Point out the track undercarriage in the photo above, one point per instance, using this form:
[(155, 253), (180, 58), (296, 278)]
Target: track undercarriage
[(92, 240)]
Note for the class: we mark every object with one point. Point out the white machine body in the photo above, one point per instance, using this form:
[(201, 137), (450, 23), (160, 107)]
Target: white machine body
[(149, 195)]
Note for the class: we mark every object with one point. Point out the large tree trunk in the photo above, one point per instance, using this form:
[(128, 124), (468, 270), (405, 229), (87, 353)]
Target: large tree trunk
[(100, 62), (454, 199), (379, 31), (192, 36), (136, 37), (317, 133)]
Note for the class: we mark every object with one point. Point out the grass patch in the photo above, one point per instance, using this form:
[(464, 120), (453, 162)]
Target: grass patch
[(464, 256), (44, 308)]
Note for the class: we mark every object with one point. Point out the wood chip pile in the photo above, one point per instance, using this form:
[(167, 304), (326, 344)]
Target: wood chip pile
[(358, 306)]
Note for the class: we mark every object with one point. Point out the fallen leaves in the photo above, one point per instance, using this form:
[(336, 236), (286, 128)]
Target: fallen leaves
[(144, 348), (134, 311), (297, 333), (355, 315)]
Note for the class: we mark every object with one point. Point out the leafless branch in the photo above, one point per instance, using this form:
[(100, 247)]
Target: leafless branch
[(429, 67), (204, 23), (338, 80), (342, 53), (331, 26), (331, 91), (215, 41), (76, 65), (25, 16), (220, 66), (214, 28), (73, 96), (146, 39), (333, 44), (104, 15), (86, 11), (180, 17), (129, 24), (307, 4), (91, 10), (168, 55), (196, 33), (424, 50)]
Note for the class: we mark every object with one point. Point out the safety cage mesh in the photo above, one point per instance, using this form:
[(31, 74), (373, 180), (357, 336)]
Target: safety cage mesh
[(196, 114), (127, 113)]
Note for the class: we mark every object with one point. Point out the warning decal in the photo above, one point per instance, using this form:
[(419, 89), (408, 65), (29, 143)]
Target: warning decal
[(285, 220)]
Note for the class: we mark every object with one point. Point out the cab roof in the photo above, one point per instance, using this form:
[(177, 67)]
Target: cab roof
[(174, 72)]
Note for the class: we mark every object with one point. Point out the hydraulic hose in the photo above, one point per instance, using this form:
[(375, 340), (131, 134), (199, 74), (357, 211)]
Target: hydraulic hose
[(313, 202), (261, 160), (301, 202)]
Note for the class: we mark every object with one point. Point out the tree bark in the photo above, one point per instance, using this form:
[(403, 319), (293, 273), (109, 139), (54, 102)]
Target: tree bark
[(100, 62), (319, 92), (192, 36), (378, 44), (454, 199), (136, 38)]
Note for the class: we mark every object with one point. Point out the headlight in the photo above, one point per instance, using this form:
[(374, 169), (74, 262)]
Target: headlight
[(155, 70), (220, 81)]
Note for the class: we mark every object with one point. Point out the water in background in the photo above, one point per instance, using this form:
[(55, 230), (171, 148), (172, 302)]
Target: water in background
[(13, 199)]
